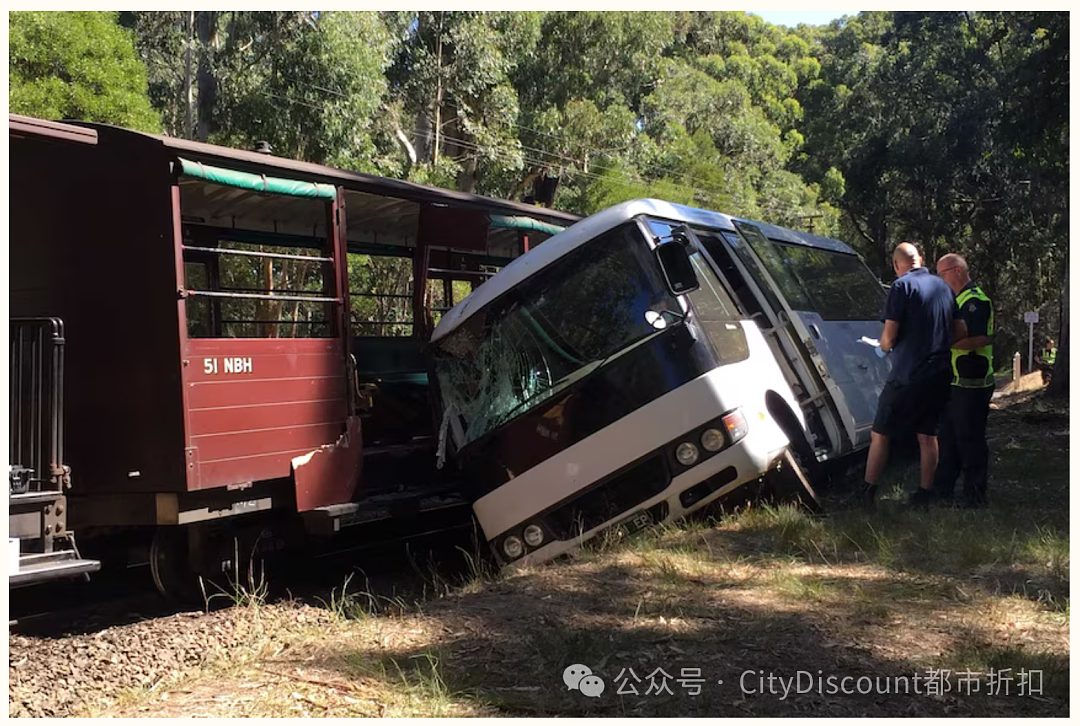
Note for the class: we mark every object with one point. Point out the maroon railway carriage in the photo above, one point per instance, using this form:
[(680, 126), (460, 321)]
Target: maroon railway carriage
[(211, 366)]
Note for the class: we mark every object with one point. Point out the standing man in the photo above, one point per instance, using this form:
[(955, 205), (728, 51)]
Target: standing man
[(921, 322), (1045, 360), (962, 440)]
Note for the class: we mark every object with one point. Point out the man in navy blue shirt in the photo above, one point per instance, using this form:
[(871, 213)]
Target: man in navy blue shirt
[(921, 322)]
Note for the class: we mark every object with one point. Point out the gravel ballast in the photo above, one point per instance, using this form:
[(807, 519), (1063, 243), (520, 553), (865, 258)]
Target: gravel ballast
[(76, 674)]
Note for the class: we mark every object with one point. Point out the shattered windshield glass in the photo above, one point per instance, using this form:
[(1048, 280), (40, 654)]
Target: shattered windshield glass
[(554, 328)]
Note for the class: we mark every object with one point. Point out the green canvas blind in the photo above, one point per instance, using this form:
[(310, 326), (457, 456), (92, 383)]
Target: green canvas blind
[(256, 182), (524, 223)]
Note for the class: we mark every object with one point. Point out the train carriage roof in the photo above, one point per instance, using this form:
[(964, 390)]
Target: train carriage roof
[(378, 208), (257, 162), (24, 126)]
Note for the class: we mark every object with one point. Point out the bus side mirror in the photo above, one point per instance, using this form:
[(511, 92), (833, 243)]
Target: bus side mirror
[(678, 271)]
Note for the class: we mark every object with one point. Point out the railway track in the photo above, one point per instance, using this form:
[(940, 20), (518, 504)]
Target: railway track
[(392, 566)]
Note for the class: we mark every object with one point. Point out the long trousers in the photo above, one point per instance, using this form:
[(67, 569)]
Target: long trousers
[(962, 444)]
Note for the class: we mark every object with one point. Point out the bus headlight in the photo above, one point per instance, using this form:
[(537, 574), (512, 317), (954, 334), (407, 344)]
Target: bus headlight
[(687, 453), (513, 548), (534, 536), (735, 423), (712, 440)]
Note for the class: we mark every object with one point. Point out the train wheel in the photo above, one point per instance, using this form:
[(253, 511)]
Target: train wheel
[(170, 565)]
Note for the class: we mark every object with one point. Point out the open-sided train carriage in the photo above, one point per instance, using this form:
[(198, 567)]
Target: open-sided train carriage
[(221, 379)]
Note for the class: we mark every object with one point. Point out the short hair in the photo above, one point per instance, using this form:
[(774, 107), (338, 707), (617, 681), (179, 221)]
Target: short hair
[(953, 260), (908, 252)]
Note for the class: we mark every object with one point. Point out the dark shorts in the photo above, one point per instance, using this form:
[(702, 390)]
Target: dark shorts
[(913, 407)]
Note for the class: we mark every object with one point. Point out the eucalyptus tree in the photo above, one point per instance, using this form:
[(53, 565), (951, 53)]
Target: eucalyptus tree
[(451, 73), (311, 84)]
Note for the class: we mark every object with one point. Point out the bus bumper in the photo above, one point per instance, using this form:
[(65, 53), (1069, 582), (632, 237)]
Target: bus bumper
[(744, 462)]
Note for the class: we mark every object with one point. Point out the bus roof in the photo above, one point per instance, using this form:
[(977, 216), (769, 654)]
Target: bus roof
[(578, 234)]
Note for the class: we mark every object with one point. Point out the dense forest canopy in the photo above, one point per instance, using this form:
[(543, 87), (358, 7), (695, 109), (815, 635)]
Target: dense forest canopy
[(948, 129)]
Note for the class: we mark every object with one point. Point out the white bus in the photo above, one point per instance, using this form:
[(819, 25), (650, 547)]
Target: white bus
[(607, 379)]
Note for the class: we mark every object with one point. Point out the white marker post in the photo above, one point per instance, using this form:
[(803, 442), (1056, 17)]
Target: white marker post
[(1031, 318)]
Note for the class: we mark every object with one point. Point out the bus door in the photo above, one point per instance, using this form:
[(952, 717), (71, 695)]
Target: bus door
[(809, 329), (845, 300), (805, 369), (725, 298)]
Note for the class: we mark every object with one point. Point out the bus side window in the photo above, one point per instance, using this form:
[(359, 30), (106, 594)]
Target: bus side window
[(744, 298), (717, 314)]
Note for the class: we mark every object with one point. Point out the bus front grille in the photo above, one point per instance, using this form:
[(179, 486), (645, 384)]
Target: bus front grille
[(608, 498)]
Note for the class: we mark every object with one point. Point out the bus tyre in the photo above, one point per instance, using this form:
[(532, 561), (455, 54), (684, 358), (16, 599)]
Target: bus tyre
[(789, 483)]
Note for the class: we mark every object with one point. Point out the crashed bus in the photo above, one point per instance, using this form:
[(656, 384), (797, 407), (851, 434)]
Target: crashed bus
[(640, 365)]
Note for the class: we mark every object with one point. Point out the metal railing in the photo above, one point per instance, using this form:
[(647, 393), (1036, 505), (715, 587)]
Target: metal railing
[(36, 417)]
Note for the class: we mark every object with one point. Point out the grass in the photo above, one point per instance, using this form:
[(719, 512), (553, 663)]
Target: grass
[(243, 590), (769, 588)]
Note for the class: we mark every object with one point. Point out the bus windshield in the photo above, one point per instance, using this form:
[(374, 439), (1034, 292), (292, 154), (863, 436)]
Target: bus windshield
[(551, 330)]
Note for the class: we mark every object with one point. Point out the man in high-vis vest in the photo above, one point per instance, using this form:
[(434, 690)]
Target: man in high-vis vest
[(1045, 360), (962, 438)]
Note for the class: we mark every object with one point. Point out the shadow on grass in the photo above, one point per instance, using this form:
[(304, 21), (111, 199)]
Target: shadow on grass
[(1017, 545), (506, 649)]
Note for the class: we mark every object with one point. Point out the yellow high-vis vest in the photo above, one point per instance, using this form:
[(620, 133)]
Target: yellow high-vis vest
[(974, 368)]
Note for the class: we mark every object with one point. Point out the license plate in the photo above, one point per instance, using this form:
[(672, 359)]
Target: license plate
[(634, 523)]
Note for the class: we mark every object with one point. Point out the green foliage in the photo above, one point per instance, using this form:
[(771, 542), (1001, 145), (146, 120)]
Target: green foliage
[(950, 130), (310, 85), (77, 65), (452, 74)]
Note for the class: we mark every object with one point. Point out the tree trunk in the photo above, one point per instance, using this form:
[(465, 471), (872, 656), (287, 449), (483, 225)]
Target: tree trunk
[(425, 133), (207, 28), (466, 180), (1059, 383), (189, 89), (438, 93)]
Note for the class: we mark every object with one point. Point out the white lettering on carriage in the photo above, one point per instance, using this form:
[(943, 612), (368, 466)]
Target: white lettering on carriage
[(238, 365), (230, 365)]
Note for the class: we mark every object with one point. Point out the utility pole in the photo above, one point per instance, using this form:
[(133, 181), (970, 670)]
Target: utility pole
[(810, 221)]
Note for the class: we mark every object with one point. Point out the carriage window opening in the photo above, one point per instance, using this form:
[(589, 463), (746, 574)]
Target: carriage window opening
[(199, 322), (380, 294), (242, 300)]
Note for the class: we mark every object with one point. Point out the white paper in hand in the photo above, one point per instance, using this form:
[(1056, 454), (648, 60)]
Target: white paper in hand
[(870, 341)]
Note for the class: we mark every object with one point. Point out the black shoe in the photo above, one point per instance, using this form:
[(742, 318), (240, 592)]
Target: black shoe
[(942, 500), (972, 503), (869, 497), (920, 499)]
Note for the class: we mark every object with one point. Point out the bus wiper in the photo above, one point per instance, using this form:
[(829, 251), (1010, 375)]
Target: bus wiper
[(565, 380), (517, 407)]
